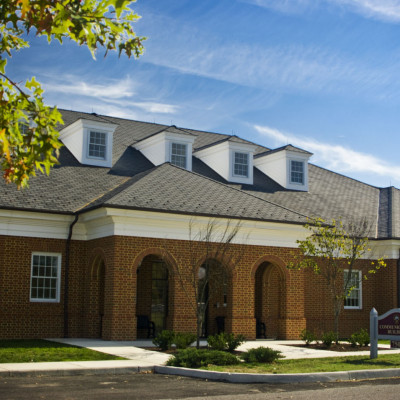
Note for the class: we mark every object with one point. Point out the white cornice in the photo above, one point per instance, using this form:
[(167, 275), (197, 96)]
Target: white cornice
[(105, 222)]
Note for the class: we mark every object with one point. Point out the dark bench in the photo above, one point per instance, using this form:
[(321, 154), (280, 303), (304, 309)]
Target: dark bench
[(260, 329), (220, 324), (143, 322)]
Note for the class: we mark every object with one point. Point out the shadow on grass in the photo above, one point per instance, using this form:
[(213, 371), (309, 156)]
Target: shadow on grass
[(375, 362), (30, 343)]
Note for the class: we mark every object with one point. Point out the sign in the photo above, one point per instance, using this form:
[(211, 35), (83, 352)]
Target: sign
[(389, 324), (394, 344)]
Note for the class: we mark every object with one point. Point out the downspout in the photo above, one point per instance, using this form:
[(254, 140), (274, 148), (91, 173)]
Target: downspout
[(66, 275)]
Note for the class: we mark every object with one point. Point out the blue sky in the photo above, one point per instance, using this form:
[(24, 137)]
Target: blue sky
[(323, 75)]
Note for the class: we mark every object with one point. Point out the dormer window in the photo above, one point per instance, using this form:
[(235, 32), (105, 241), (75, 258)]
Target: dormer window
[(97, 145), (241, 164), (179, 154), (297, 172), (91, 142), (171, 145), (232, 158), (287, 165)]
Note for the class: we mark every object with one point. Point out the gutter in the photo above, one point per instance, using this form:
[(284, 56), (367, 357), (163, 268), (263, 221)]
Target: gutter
[(66, 276)]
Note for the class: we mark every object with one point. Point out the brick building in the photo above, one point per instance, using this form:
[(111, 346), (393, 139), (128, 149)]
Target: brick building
[(86, 250)]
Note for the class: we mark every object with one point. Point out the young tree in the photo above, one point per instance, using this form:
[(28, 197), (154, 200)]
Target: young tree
[(213, 244), (28, 136), (333, 249)]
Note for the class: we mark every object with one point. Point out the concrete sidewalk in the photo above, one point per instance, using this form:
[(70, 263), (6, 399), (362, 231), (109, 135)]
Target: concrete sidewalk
[(141, 359)]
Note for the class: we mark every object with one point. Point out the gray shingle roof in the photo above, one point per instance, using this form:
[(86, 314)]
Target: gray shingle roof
[(134, 182)]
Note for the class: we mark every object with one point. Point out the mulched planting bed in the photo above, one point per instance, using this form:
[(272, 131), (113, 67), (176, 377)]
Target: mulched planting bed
[(336, 347)]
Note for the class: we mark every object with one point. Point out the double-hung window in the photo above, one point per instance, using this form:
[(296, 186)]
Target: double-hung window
[(97, 145), (45, 277), (297, 172), (179, 154), (353, 296), (241, 164)]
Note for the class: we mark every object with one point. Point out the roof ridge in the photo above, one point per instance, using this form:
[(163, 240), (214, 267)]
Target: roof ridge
[(100, 200)]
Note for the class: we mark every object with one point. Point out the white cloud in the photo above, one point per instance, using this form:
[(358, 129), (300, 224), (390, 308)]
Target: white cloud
[(334, 157), (379, 9), (148, 106), (289, 67), (114, 89)]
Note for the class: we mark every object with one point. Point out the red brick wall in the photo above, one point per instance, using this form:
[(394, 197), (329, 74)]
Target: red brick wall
[(292, 301)]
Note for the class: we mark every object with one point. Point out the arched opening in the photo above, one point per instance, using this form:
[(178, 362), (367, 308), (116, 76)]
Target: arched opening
[(95, 301), (269, 301), (214, 297), (153, 296)]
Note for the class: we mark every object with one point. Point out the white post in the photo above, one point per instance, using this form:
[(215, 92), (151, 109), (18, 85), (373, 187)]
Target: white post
[(373, 333)]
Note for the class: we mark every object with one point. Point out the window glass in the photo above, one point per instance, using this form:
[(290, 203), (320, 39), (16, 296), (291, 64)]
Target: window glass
[(297, 172), (97, 145), (241, 164), (178, 154), (45, 275), (353, 299)]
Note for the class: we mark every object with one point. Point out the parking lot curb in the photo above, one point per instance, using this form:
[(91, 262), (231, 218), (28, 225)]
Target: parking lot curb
[(234, 377)]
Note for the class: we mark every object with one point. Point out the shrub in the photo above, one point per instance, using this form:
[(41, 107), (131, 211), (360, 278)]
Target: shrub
[(308, 336), (164, 339), (233, 342), (182, 340), (261, 355), (360, 338), (225, 341), (217, 342), (196, 358), (328, 338)]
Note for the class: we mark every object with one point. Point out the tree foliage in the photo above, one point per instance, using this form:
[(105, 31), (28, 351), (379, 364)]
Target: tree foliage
[(28, 136), (333, 248)]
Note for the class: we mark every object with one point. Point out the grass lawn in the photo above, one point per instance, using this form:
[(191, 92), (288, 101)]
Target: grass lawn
[(20, 351), (315, 365)]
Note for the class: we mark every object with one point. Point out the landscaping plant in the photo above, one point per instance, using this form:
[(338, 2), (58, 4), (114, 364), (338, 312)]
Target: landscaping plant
[(328, 338), (182, 340), (360, 338), (225, 341), (308, 336), (196, 358), (261, 355), (164, 340)]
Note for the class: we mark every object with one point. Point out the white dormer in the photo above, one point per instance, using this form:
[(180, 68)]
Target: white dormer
[(287, 165), (90, 141), (167, 146), (233, 160)]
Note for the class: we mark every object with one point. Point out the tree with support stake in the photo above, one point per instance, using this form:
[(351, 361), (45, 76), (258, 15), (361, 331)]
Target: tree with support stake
[(333, 251)]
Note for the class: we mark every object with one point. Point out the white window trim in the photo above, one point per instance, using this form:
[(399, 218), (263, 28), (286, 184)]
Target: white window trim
[(359, 290), (290, 172), (233, 164), (58, 287), (88, 145), (186, 153)]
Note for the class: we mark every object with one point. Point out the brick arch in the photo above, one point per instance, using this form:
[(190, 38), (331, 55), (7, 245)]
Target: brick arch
[(143, 291), (97, 255), (224, 261), (278, 262), (270, 277), (155, 251), (95, 292)]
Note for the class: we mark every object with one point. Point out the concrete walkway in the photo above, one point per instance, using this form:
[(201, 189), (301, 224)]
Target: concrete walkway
[(141, 359)]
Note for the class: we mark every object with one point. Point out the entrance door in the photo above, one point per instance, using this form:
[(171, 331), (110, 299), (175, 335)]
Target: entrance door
[(159, 295)]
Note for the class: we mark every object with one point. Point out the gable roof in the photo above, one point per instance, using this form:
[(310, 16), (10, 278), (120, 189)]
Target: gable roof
[(134, 182)]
